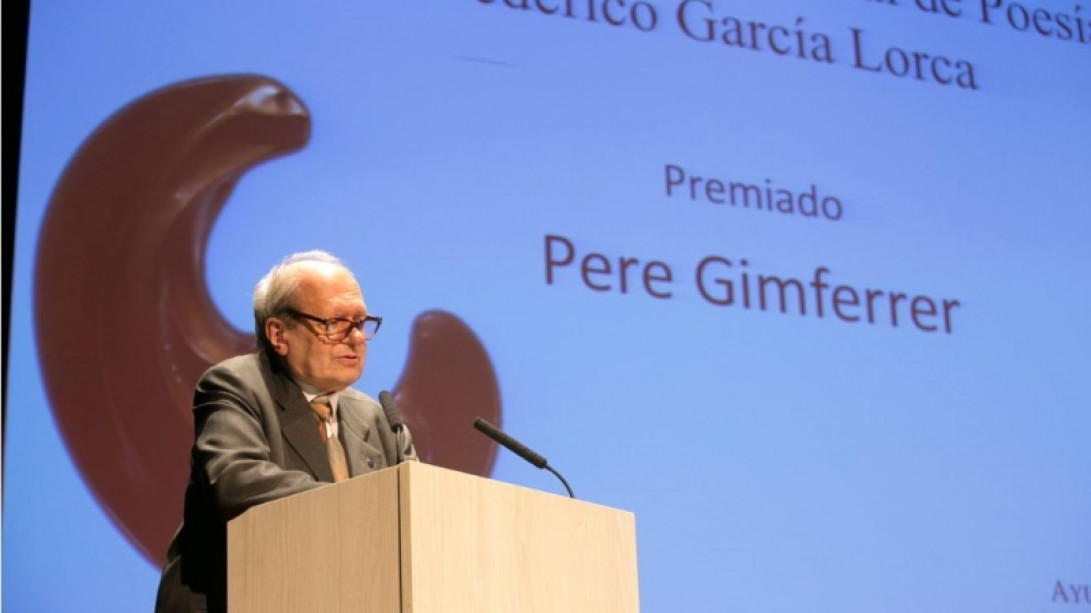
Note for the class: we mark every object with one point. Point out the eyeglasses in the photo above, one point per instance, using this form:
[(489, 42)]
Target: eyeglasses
[(338, 329)]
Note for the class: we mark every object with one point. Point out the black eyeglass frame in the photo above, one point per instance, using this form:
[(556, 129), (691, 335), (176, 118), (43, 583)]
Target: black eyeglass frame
[(353, 324)]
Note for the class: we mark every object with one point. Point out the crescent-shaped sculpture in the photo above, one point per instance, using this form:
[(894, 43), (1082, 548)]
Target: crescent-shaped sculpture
[(125, 323)]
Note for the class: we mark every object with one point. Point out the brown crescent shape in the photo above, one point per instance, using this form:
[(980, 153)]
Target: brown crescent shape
[(446, 382), (124, 320)]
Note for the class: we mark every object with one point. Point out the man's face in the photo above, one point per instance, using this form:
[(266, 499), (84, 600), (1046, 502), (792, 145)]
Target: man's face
[(312, 359)]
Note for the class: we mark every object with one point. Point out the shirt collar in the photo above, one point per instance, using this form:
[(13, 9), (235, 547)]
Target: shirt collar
[(311, 393)]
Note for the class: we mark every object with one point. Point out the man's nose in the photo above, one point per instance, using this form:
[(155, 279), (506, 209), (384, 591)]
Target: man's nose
[(356, 336)]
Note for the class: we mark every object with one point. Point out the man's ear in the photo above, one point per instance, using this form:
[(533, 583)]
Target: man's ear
[(274, 333)]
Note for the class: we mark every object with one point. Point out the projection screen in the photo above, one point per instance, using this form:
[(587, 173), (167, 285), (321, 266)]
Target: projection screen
[(803, 285)]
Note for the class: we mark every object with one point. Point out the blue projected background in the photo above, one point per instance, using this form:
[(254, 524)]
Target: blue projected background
[(803, 285)]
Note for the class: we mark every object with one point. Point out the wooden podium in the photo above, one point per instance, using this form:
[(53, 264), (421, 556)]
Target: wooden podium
[(422, 539)]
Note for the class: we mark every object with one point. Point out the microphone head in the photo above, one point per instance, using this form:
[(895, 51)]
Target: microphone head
[(483, 426), (515, 446), (393, 416)]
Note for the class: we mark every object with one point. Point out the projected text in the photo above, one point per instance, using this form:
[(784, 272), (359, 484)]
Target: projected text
[(724, 282)]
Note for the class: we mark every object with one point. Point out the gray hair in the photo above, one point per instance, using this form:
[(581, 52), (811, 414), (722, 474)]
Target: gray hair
[(276, 292)]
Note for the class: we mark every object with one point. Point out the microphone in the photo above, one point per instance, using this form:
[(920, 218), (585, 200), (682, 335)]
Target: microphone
[(394, 418), (518, 448)]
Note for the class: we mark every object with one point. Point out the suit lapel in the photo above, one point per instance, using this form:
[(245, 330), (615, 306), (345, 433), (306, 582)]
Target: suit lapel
[(299, 427), (355, 435)]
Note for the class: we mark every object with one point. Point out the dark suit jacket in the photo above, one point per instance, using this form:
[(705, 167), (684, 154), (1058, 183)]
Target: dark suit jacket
[(256, 440)]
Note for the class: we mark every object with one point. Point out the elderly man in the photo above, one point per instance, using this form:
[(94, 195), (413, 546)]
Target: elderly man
[(280, 421)]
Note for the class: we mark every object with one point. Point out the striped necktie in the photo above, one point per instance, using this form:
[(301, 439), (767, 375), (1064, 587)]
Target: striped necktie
[(336, 453)]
